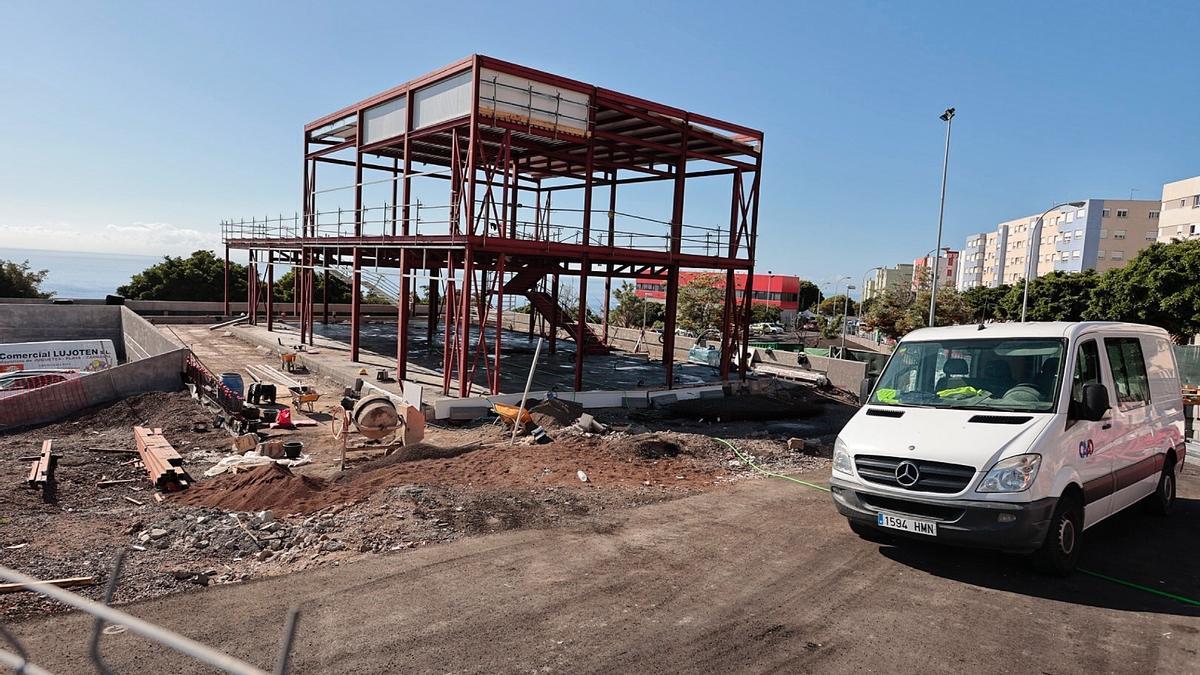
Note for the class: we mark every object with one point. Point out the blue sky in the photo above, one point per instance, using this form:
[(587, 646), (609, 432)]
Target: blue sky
[(138, 126)]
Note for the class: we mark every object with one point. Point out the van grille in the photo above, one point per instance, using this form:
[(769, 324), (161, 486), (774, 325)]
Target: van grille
[(933, 476), (947, 514)]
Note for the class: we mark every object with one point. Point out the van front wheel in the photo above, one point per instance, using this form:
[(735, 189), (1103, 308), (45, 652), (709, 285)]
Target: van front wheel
[(1060, 551), (1163, 499)]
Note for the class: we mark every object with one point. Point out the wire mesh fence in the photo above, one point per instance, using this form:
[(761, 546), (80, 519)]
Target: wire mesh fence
[(21, 661)]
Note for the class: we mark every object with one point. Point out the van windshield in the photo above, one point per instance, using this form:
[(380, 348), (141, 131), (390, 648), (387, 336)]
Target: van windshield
[(1005, 374)]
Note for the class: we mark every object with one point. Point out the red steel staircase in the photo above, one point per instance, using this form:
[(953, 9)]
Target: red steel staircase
[(524, 283)]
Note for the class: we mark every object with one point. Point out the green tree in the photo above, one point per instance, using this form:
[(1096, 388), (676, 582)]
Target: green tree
[(631, 309), (1157, 287), (809, 295), (339, 290), (984, 302), (835, 305), (701, 302), (198, 277), (897, 313), (764, 313), (17, 280), (1057, 296)]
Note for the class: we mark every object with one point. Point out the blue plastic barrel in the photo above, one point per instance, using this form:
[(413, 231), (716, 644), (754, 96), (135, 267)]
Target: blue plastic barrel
[(234, 382)]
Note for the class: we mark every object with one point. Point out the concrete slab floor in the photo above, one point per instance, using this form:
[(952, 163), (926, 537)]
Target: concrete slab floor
[(554, 372)]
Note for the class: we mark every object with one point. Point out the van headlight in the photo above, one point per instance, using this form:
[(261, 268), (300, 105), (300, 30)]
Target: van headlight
[(841, 458), (1014, 474)]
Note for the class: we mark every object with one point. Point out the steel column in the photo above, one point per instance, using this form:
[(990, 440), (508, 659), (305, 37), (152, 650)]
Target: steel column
[(669, 321), (225, 308), (447, 345), (554, 312), (499, 324), (402, 319), (355, 303), (270, 291), (463, 343)]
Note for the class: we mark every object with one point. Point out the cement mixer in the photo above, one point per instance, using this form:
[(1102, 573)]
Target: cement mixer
[(380, 422)]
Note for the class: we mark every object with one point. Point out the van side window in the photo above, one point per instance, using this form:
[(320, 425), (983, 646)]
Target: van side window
[(1087, 371), (1129, 371)]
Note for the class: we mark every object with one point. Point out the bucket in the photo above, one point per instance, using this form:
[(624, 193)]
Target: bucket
[(234, 382), (269, 415), (291, 449), (284, 418)]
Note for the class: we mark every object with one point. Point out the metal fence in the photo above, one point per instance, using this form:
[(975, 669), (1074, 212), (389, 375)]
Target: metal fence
[(19, 659)]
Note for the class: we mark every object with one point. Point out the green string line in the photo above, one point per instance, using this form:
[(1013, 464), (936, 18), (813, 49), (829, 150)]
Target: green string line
[(1121, 582), (766, 472), (1130, 584)]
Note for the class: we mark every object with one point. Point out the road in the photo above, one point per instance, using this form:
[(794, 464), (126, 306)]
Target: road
[(762, 577)]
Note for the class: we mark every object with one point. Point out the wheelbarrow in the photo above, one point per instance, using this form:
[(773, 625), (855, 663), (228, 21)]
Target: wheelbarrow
[(304, 395), (508, 413), (287, 361)]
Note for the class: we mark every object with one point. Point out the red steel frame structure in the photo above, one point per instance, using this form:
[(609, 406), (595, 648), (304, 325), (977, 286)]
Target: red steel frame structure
[(502, 135)]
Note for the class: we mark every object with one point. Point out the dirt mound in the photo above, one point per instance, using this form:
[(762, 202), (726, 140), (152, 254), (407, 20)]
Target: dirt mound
[(263, 488), (555, 413)]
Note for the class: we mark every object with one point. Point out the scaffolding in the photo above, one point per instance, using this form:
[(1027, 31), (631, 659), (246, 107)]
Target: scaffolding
[(504, 143)]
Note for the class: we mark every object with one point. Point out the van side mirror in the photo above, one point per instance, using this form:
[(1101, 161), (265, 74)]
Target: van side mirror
[(1095, 402), (864, 389)]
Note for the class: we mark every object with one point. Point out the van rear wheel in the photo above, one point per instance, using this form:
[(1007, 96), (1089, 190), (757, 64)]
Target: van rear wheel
[(1163, 499), (1060, 551)]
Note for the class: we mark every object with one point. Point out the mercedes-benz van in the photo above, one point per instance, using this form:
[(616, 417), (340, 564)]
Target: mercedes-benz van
[(1013, 436)]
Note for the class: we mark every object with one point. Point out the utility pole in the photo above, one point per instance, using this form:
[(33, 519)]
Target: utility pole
[(946, 117)]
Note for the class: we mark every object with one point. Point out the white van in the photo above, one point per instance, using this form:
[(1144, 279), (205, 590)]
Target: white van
[(1014, 436)]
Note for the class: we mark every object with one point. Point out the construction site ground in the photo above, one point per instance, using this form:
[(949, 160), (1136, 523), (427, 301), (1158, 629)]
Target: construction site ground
[(760, 576), (464, 480)]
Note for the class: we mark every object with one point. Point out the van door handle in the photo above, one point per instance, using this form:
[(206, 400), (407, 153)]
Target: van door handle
[(1106, 425)]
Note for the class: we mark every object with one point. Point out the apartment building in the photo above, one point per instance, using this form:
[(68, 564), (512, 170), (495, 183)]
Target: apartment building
[(1180, 208), (947, 269), (1101, 234), (888, 278)]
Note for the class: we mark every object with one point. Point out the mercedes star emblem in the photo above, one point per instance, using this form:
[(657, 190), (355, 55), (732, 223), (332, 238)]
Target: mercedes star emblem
[(907, 474)]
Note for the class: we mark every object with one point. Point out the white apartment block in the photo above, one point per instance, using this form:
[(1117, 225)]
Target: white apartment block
[(1100, 235), (1180, 208)]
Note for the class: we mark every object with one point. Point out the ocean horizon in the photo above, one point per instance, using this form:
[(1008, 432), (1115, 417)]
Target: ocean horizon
[(81, 274)]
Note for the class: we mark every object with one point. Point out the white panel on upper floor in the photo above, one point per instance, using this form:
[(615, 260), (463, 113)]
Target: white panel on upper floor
[(442, 100), (532, 103), (384, 121)]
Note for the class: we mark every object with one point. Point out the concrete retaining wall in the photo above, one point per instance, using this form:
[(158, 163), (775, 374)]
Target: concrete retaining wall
[(151, 362), (42, 322)]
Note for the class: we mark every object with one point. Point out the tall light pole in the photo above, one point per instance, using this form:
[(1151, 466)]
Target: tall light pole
[(1035, 237), (845, 313), (948, 118)]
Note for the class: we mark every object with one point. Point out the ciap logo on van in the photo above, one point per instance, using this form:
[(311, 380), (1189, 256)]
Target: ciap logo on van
[(1086, 448)]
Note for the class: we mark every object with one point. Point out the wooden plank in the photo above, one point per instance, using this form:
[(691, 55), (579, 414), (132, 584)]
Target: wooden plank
[(70, 582), (106, 483), (120, 450), (131, 500)]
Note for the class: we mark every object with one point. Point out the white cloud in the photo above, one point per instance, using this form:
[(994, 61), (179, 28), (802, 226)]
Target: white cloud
[(135, 238)]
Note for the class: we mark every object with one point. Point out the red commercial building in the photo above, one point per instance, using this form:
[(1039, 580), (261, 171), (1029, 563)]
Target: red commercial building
[(775, 290)]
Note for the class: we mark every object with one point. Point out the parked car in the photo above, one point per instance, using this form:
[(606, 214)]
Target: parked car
[(1014, 436), (765, 329)]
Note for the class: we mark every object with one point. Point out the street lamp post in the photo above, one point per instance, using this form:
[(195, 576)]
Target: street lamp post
[(845, 313), (1036, 236), (946, 117)]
